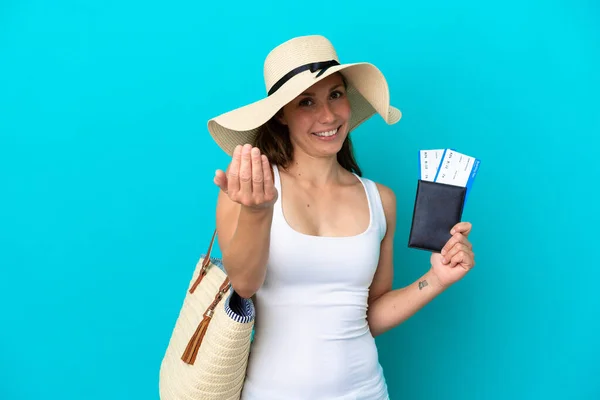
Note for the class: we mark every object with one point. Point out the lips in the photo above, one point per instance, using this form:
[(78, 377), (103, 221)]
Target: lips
[(327, 134)]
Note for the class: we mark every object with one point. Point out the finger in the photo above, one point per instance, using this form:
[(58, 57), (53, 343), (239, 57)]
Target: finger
[(454, 251), (456, 238), (220, 180), (246, 171), (461, 259), (257, 172), (460, 238), (269, 185), (462, 227), (233, 178)]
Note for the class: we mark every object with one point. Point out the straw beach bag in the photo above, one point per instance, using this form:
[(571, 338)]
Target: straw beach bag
[(207, 354)]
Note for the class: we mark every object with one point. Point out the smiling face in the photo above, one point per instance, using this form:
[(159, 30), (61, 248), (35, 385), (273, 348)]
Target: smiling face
[(318, 119)]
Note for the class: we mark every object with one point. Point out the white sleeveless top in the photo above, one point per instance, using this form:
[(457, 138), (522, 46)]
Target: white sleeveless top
[(312, 339)]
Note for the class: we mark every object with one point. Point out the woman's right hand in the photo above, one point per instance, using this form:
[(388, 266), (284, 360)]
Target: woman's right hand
[(248, 179)]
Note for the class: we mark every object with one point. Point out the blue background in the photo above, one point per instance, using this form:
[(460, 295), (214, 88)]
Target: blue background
[(107, 198)]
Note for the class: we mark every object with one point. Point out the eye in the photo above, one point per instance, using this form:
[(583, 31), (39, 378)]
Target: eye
[(336, 94), (305, 102)]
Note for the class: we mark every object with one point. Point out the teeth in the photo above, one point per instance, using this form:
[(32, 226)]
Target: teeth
[(326, 134)]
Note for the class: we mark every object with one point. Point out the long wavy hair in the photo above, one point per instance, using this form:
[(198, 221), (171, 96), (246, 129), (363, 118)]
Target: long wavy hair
[(273, 140)]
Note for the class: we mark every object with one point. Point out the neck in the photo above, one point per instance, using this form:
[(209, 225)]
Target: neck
[(314, 171)]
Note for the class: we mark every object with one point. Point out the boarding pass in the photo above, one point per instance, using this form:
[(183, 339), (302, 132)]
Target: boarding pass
[(448, 166)]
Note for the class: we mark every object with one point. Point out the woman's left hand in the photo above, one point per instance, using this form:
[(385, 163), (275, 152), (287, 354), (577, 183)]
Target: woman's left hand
[(456, 258)]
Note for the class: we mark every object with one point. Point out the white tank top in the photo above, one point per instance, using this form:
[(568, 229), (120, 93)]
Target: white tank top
[(312, 339)]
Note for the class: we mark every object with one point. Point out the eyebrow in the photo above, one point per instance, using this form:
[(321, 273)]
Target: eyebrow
[(332, 88)]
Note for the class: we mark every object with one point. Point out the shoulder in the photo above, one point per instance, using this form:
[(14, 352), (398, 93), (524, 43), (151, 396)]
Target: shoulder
[(388, 206), (387, 194), (388, 201)]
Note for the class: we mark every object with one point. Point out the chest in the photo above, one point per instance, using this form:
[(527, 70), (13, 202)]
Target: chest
[(340, 212), (320, 264)]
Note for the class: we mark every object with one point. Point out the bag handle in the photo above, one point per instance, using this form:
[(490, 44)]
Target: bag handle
[(191, 350), (205, 263), (210, 246)]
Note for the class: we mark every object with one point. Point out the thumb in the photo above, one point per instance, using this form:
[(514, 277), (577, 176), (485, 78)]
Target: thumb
[(220, 180)]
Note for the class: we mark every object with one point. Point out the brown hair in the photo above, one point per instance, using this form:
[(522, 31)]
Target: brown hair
[(273, 140)]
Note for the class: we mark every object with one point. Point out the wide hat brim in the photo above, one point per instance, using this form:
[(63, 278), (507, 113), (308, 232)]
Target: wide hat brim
[(368, 94)]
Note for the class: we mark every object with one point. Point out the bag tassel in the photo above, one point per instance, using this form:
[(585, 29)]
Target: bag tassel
[(191, 350)]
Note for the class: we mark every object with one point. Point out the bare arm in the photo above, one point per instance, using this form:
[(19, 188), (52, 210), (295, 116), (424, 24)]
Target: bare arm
[(396, 306), (389, 308), (244, 216)]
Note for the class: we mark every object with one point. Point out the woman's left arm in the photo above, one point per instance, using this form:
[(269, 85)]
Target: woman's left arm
[(389, 308)]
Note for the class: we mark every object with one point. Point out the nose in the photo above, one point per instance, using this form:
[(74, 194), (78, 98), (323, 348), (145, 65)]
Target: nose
[(326, 116)]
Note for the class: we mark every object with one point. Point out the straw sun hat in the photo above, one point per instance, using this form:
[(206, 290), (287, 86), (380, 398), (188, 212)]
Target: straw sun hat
[(290, 69)]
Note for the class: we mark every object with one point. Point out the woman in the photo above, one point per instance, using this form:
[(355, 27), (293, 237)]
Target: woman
[(308, 237)]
